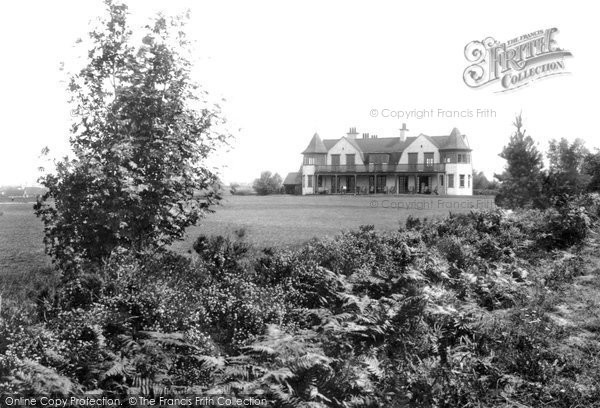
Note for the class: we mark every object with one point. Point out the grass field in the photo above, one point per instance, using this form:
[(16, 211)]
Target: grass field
[(267, 221)]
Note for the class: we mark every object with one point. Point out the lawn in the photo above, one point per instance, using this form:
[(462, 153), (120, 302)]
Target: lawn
[(23, 264), (267, 221), (291, 220)]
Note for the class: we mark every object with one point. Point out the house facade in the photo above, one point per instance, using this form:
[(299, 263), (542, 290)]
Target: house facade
[(366, 164)]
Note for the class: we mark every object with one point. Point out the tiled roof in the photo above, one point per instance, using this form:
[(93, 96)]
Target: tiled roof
[(374, 145), (394, 145), (455, 141), (315, 146), (384, 145), (329, 143), (292, 179)]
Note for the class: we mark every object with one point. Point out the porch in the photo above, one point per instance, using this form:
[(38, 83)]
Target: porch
[(393, 183)]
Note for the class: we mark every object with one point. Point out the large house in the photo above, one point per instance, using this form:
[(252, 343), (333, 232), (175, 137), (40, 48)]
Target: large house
[(366, 164)]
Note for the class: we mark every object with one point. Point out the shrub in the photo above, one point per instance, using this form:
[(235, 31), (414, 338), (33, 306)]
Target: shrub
[(404, 318), (233, 187), (487, 192), (267, 183), (566, 225)]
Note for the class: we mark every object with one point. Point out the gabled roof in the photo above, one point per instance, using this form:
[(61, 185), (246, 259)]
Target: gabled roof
[(454, 141), (329, 143), (315, 146), (374, 145), (292, 179)]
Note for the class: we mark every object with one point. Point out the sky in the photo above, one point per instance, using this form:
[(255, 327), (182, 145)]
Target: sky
[(289, 69)]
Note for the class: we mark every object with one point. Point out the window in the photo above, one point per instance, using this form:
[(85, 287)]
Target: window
[(381, 183), (461, 181), (413, 160), (310, 181), (350, 159), (442, 180), (402, 184), (335, 159), (463, 158), (318, 159), (450, 180), (469, 181), (319, 181), (448, 158), (429, 159)]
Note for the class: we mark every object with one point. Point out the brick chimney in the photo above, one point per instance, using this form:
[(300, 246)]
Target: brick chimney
[(365, 136), (352, 133), (403, 131)]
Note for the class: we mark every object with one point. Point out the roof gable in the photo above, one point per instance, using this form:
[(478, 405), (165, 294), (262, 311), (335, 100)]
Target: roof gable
[(454, 141), (331, 143), (434, 140)]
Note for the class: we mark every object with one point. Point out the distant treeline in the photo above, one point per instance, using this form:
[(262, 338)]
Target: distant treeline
[(16, 193)]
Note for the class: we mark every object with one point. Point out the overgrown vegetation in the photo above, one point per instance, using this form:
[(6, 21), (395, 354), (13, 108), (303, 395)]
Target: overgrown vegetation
[(447, 313)]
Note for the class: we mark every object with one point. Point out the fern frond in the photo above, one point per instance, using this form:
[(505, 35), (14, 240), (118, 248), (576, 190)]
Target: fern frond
[(119, 368), (210, 361), (373, 366), (280, 375)]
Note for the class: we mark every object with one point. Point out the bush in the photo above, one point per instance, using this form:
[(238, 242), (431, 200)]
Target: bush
[(244, 191), (565, 225), (268, 183), (486, 192), (409, 317)]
